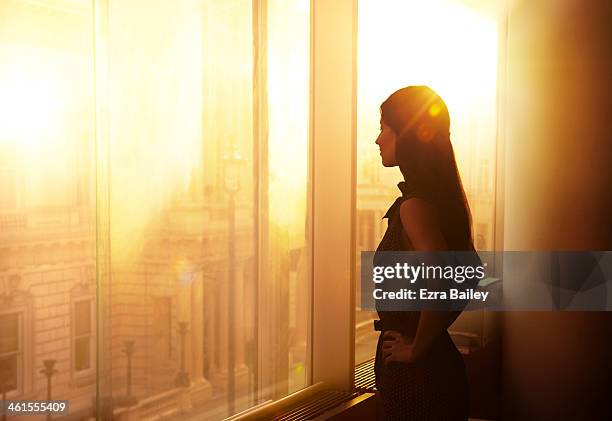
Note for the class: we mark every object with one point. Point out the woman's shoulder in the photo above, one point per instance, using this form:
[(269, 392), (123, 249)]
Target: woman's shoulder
[(421, 223), (418, 206)]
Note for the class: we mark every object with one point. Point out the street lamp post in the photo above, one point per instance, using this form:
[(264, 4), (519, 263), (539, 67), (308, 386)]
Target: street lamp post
[(128, 399), (231, 179), (129, 351), (182, 377), (48, 371)]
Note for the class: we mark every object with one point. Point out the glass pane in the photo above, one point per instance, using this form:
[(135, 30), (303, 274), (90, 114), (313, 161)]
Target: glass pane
[(288, 242), (82, 354), (208, 187), (82, 318), (47, 196), (8, 373), (457, 57), (9, 333)]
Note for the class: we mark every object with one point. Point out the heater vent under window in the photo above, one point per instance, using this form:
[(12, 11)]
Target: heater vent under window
[(365, 381), (316, 405)]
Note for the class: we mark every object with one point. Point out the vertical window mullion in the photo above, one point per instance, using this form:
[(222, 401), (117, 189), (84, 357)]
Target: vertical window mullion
[(333, 113)]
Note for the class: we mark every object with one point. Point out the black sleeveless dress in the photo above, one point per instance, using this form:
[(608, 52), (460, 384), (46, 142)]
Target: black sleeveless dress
[(434, 387)]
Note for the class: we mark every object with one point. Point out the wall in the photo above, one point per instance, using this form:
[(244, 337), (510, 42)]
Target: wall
[(558, 197)]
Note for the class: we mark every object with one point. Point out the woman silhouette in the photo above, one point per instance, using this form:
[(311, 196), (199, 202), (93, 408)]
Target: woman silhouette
[(420, 374)]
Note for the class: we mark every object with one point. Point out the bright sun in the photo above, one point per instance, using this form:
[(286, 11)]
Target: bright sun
[(440, 43), (449, 45)]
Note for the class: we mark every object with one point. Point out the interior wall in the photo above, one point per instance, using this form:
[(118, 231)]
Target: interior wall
[(558, 146)]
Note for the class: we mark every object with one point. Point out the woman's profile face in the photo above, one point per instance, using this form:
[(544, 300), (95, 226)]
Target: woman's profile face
[(386, 143)]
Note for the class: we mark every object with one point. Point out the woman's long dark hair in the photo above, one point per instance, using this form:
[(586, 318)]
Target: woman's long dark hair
[(421, 121)]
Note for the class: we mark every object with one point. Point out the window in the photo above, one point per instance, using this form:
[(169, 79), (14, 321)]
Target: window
[(11, 353), (201, 117), (203, 231), (366, 221), (208, 116), (82, 341), (162, 325), (457, 57), (46, 139)]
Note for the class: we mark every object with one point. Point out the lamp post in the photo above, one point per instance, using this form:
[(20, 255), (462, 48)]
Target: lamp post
[(208, 276), (182, 378), (48, 371), (231, 183), (129, 350), (128, 399)]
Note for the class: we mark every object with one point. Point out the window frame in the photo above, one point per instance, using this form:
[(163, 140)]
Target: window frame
[(333, 92), (86, 374), (20, 302), (19, 353), (333, 56)]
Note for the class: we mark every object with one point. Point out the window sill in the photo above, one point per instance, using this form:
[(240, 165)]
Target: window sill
[(266, 409)]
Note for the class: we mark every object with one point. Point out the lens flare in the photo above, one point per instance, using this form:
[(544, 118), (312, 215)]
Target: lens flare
[(434, 109)]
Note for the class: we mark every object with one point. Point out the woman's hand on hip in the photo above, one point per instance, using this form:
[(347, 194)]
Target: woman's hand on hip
[(396, 347)]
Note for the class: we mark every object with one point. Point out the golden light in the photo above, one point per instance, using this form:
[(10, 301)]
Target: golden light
[(441, 43), (449, 45), (453, 46), (434, 109), (288, 114), (45, 109), (155, 117), (31, 98)]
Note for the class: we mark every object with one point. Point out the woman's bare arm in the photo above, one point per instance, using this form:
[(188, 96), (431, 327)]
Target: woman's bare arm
[(423, 230)]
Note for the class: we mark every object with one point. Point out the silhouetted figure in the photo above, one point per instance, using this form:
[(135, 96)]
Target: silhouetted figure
[(420, 374)]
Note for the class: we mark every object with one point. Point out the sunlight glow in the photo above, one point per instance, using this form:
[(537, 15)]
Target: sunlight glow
[(44, 110), (441, 43), (451, 46), (156, 106), (288, 113), (32, 98)]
